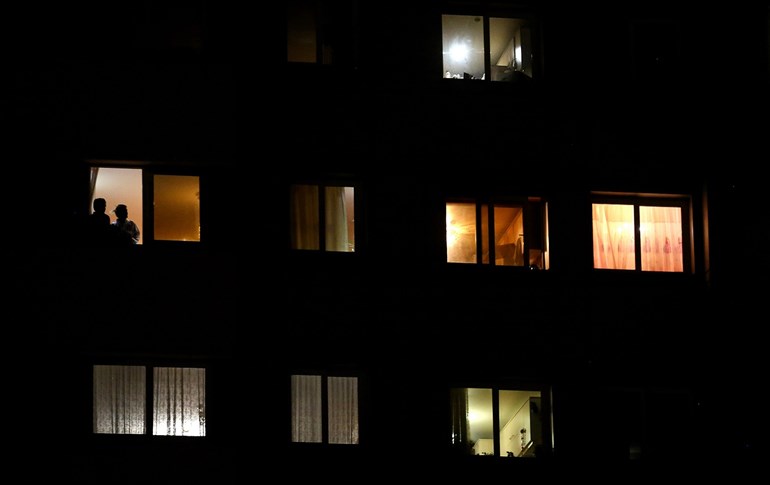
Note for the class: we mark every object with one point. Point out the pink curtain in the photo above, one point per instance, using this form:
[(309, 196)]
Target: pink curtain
[(661, 233), (613, 236)]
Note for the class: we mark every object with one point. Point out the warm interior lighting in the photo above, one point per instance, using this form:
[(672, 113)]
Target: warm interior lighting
[(452, 231), (458, 52)]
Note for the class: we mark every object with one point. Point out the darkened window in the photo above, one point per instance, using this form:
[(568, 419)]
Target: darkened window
[(641, 233), (161, 401), (324, 409), (496, 48), (168, 211), (499, 422), (322, 217), (171, 25), (498, 233), (320, 31)]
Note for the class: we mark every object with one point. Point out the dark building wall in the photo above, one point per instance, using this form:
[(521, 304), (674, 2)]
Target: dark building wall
[(395, 313)]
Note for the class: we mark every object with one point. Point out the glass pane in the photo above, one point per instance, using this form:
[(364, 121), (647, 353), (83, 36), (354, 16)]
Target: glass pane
[(521, 423), (176, 208), (461, 232), (304, 215), (510, 49), (472, 428), (480, 421), (661, 233), (340, 221), (463, 46), (301, 31), (306, 419), (119, 186), (509, 236), (119, 399), (179, 401), (343, 410), (613, 236)]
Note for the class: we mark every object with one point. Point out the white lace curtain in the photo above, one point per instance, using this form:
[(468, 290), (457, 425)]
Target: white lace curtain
[(307, 409), (119, 399), (179, 400)]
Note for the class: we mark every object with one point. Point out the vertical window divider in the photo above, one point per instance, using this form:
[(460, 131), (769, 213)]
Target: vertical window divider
[(491, 232), (479, 235), (496, 421)]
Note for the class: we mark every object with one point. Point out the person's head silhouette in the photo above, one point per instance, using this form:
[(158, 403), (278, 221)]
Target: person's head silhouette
[(100, 205), (121, 211)]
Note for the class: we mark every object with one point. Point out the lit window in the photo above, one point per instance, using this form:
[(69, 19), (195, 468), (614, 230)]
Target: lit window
[(178, 400), (175, 214), (322, 218), (176, 207), (488, 48), (120, 186), (498, 422), (312, 397), (500, 234), (644, 234)]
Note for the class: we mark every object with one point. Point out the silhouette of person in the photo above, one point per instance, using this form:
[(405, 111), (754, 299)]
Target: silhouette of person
[(99, 217), (98, 225), (127, 227)]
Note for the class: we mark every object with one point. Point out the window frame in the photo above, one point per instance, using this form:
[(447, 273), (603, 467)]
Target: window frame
[(546, 402), (487, 11), (324, 408), (322, 185), (530, 223), (682, 201), (149, 367), (148, 172)]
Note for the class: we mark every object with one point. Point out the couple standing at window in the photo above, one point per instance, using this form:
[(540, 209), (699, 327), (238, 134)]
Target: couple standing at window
[(122, 230)]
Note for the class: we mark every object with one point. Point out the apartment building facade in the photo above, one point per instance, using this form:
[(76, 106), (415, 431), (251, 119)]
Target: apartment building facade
[(454, 239)]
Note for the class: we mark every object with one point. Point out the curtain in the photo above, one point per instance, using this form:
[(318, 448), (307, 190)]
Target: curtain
[(92, 185), (304, 217), (459, 415), (306, 409), (613, 236), (119, 399), (179, 401), (661, 229), (343, 410), (336, 219)]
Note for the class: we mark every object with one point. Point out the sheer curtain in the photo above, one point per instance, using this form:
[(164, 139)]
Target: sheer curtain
[(119, 399), (306, 409), (304, 217), (613, 236), (459, 414), (661, 229), (336, 214), (179, 401), (343, 410)]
